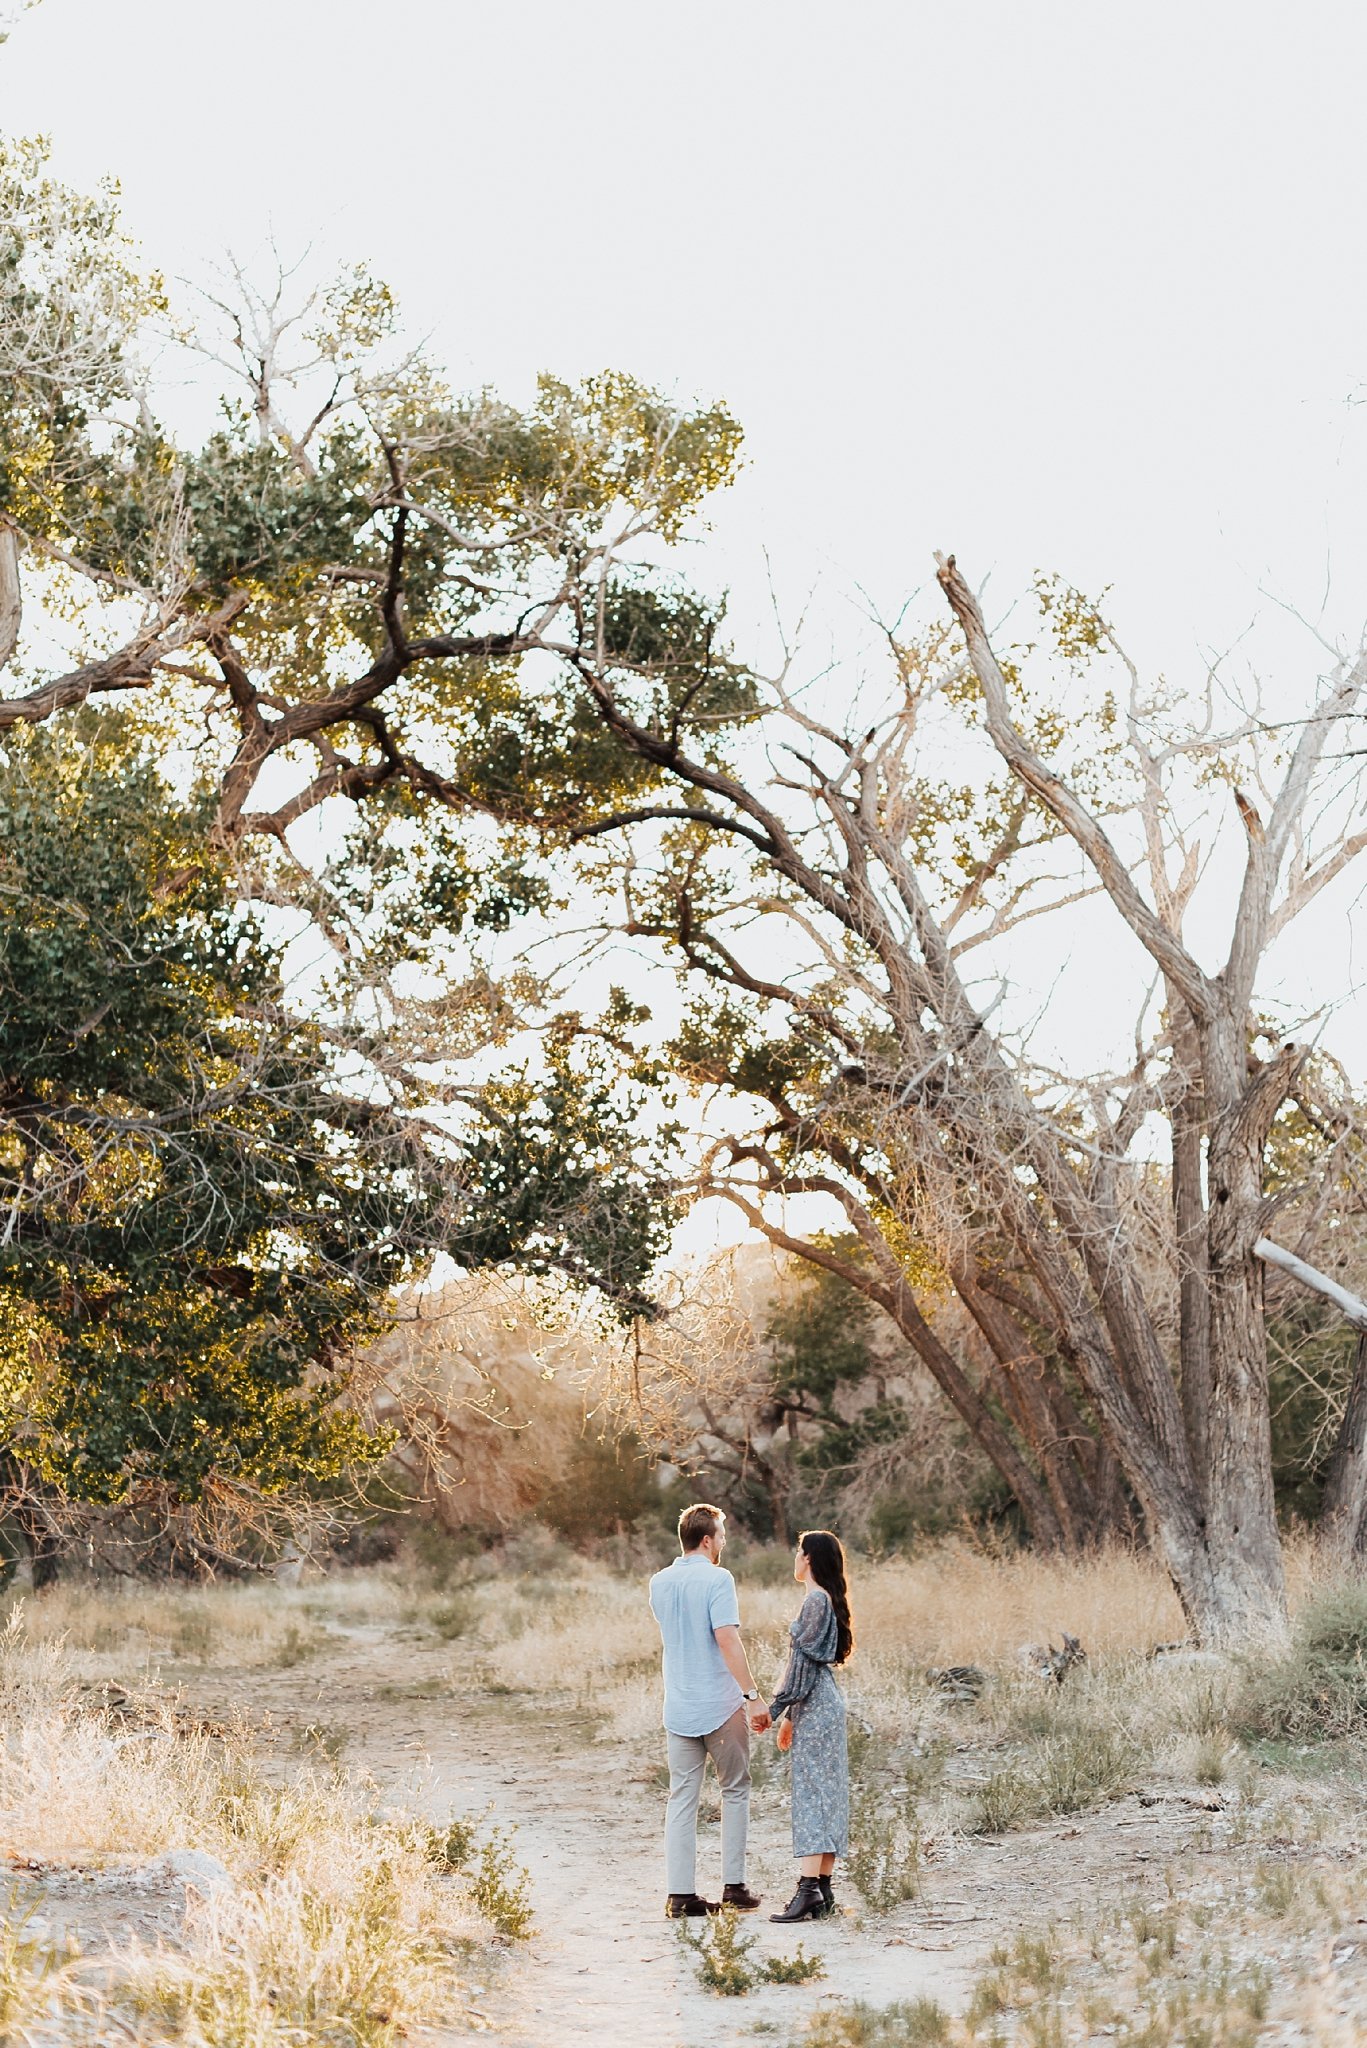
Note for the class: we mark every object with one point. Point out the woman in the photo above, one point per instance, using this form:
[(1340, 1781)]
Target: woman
[(810, 1707)]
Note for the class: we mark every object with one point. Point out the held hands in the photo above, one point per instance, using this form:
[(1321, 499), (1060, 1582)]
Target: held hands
[(785, 1733), (759, 1717)]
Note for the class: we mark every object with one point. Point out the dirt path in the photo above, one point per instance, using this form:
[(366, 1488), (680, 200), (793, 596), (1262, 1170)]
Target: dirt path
[(603, 1966)]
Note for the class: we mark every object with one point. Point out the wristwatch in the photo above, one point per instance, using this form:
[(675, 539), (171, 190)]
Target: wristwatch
[(749, 1695)]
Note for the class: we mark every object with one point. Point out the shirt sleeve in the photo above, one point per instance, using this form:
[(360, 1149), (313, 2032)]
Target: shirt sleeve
[(814, 1618), (723, 1608)]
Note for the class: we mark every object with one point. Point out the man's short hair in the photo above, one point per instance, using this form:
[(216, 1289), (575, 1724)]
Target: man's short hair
[(697, 1522)]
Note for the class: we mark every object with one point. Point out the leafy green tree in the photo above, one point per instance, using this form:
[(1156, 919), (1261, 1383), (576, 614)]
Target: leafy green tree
[(210, 1195), (361, 582)]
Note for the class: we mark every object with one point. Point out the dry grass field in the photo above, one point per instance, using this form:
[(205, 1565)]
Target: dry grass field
[(252, 1816)]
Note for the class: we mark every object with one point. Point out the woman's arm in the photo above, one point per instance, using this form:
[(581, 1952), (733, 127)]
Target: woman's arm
[(813, 1636)]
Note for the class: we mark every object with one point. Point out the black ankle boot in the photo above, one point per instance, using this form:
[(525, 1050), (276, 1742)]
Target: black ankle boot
[(806, 1903), (827, 1894)]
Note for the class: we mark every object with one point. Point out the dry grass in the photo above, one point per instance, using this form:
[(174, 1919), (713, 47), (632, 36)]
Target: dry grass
[(554, 1613), (338, 1927), (1192, 1968), (338, 1924), (955, 1604), (133, 1629)]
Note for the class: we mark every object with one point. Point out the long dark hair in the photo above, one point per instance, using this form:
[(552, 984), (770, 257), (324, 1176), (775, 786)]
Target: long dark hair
[(825, 1554)]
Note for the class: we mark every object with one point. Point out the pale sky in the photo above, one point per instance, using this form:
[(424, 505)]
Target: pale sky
[(1066, 286)]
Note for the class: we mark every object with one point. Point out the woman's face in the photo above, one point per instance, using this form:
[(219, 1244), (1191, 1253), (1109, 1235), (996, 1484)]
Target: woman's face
[(801, 1566)]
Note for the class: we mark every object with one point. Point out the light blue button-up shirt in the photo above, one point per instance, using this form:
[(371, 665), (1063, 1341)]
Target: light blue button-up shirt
[(691, 1599)]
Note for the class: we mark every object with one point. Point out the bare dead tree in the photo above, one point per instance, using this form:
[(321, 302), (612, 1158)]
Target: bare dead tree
[(1128, 1355)]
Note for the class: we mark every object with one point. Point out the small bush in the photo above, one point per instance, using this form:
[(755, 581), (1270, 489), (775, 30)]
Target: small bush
[(296, 1645), (884, 1862), (723, 1954), (1318, 1691), (497, 1883), (443, 1558), (193, 1636), (1211, 1764), (452, 1847), (501, 1887), (724, 1964), (798, 1969), (762, 1564), (454, 1617)]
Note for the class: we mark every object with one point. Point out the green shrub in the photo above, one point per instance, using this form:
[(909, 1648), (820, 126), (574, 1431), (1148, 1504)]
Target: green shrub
[(444, 1558), (501, 1887), (724, 1964), (798, 1969), (723, 1954), (884, 1862), (607, 1488), (451, 1847), (498, 1884)]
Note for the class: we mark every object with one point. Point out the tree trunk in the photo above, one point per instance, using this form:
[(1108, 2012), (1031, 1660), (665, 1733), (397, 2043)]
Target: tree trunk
[(11, 600), (1189, 1217), (1244, 1542), (44, 1548), (1343, 1509)]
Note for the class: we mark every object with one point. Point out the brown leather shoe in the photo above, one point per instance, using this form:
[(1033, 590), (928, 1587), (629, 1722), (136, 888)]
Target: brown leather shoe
[(741, 1897), (688, 1906)]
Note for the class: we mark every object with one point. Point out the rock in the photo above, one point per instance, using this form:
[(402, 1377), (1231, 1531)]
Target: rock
[(190, 1867)]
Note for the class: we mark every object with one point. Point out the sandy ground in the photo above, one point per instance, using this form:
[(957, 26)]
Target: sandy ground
[(603, 1966)]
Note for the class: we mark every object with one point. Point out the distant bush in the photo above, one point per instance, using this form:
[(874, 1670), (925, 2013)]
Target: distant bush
[(1318, 1692), (443, 1556), (760, 1564), (608, 1487)]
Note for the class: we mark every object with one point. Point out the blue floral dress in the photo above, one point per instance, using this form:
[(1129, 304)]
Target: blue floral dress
[(815, 1705)]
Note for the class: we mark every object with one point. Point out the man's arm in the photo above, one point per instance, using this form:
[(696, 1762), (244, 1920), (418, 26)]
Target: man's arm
[(738, 1664)]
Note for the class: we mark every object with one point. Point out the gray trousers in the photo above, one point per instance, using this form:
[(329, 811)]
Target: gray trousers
[(729, 1749)]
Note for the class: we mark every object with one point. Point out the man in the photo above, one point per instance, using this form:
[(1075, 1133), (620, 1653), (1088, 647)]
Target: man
[(711, 1706)]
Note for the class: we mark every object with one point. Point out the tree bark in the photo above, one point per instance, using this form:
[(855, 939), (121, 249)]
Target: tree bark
[(11, 595), (1189, 1218), (44, 1547), (1243, 1537)]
